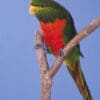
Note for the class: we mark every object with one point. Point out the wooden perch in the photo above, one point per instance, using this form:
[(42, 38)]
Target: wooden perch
[(48, 73)]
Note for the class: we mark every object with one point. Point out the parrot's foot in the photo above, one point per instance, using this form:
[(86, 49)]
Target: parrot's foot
[(61, 54), (39, 46)]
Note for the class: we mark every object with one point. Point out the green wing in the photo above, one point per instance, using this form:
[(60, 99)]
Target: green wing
[(69, 31)]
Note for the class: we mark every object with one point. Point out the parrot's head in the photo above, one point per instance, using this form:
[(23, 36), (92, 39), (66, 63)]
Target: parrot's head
[(46, 10)]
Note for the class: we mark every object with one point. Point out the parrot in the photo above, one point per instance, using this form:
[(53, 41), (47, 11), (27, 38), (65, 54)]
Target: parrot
[(57, 29)]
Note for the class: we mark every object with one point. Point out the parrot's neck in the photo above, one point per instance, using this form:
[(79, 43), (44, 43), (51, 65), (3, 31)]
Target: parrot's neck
[(53, 34)]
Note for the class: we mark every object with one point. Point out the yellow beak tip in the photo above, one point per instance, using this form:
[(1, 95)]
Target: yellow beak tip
[(33, 9)]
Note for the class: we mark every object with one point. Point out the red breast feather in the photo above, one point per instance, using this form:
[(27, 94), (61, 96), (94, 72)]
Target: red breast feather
[(53, 34)]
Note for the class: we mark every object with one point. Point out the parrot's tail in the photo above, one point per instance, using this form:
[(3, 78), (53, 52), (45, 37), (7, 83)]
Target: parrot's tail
[(79, 79)]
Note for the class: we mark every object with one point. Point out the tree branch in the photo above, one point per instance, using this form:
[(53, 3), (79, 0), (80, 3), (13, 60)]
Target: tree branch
[(45, 79), (47, 74)]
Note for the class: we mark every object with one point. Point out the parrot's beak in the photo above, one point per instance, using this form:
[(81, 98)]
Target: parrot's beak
[(33, 9)]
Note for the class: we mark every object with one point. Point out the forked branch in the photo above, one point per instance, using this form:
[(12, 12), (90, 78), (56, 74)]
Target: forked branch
[(48, 73)]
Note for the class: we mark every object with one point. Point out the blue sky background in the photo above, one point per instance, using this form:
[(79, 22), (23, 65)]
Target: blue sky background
[(19, 69)]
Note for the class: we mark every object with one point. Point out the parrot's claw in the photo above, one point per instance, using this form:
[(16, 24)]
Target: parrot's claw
[(39, 46), (61, 54)]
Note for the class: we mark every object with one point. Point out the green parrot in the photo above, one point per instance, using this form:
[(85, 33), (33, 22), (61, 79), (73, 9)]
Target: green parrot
[(58, 29)]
